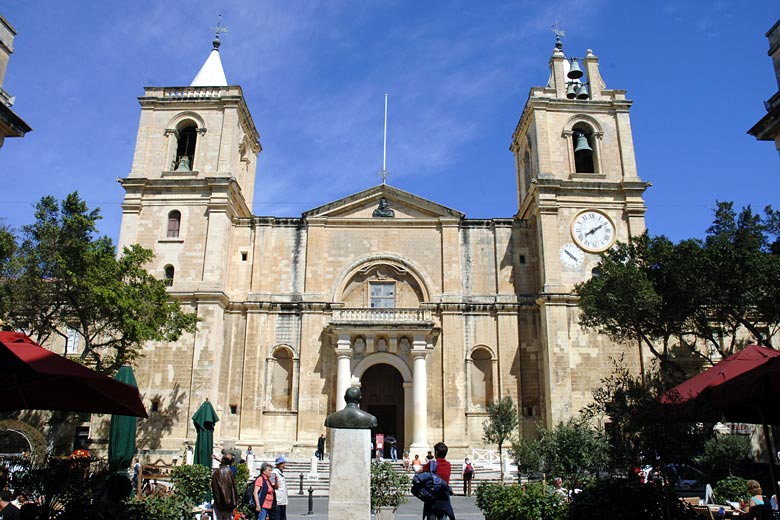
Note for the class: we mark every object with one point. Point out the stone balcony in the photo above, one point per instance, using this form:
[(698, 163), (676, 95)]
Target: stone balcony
[(360, 318)]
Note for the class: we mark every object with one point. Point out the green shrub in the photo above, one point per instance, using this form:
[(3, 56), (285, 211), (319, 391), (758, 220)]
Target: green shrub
[(513, 502), (627, 499), (732, 489), (192, 482), (169, 507), (722, 454), (388, 486)]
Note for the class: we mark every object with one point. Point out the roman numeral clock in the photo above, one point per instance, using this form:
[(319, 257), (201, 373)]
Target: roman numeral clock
[(593, 231)]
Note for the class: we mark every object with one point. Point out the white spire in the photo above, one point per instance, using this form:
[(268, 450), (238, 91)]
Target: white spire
[(211, 74)]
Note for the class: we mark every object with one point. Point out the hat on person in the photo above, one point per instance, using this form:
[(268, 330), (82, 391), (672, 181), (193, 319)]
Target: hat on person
[(279, 460)]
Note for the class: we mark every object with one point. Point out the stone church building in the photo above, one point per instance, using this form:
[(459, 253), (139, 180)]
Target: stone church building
[(431, 313)]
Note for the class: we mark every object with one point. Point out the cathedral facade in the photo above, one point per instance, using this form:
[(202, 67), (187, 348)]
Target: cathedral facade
[(432, 314)]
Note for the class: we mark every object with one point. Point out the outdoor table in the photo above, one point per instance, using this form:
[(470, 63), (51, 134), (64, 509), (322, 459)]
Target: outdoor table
[(730, 511)]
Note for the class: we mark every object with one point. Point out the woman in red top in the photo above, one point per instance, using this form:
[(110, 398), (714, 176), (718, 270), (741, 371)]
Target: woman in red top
[(265, 498)]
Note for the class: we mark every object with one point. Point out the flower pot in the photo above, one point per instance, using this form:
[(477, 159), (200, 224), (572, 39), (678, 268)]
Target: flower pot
[(384, 513)]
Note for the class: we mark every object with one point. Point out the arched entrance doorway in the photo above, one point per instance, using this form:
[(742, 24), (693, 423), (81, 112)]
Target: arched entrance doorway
[(383, 397)]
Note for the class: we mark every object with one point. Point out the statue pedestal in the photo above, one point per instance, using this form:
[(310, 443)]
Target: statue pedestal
[(350, 475)]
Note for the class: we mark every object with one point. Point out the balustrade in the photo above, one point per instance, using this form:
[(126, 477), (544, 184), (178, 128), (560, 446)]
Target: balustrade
[(385, 315)]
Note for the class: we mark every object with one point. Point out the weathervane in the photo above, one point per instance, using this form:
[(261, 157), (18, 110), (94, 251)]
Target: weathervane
[(558, 34), (218, 29), (384, 173)]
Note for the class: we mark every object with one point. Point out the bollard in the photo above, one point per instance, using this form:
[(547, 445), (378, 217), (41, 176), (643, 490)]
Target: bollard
[(300, 489), (311, 501)]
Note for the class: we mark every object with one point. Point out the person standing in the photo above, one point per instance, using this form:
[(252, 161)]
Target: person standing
[(406, 461), (321, 447), (223, 490), (440, 508), (280, 485), (468, 475), (393, 443), (250, 461), (265, 498), (8, 511)]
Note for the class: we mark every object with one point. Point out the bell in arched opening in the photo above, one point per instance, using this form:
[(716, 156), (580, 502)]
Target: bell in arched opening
[(583, 152)]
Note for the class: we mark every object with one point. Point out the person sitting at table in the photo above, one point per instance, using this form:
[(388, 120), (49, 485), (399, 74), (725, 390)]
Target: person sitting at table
[(756, 499)]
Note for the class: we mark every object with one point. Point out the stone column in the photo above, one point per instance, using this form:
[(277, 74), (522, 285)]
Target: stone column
[(420, 391), (344, 373)]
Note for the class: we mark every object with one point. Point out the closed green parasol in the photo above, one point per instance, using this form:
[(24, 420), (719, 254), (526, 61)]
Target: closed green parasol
[(204, 420), (121, 437)]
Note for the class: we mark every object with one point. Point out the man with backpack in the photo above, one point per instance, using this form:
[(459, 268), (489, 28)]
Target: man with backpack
[(468, 475), (432, 486)]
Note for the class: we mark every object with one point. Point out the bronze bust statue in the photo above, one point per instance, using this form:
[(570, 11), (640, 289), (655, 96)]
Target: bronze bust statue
[(351, 417), (384, 209)]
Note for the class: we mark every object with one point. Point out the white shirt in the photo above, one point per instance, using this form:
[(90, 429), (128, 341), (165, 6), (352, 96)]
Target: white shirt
[(281, 491)]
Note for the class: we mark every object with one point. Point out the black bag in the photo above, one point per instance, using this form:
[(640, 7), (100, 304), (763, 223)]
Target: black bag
[(248, 499), (428, 486)]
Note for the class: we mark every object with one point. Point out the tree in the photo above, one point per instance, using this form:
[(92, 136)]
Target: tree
[(722, 454), (638, 426), (62, 278), (693, 293), (501, 425), (572, 449)]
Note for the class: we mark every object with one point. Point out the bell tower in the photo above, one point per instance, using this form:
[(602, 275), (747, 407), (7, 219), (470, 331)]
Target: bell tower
[(192, 177), (188, 198), (578, 192)]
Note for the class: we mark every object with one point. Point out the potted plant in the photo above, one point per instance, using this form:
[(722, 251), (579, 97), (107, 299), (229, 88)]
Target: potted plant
[(388, 490)]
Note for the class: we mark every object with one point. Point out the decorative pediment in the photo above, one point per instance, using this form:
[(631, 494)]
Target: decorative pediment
[(383, 202)]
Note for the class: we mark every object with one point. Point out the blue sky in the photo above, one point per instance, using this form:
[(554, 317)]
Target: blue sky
[(458, 73)]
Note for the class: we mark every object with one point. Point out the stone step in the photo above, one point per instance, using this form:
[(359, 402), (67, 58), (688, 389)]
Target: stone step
[(320, 483)]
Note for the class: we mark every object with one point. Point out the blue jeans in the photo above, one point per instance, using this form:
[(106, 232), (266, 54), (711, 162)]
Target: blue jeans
[(263, 514), (393, 454)]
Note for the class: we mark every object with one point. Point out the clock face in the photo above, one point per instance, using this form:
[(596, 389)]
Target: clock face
[(593, 231), (571, 255)]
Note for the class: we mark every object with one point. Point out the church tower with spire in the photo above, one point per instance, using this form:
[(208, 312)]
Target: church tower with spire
[(192, 180), (432, 314), (578, 192)]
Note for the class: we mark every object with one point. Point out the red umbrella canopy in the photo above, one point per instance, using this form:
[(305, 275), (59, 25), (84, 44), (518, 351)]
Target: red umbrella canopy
[(743, 362), (34, 378)]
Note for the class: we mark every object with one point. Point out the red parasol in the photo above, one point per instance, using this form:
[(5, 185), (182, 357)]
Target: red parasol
[(744, 387), (33, 378), (743, 379)]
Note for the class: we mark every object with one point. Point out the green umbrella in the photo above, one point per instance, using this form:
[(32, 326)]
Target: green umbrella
[(204, 420), (121, 438)]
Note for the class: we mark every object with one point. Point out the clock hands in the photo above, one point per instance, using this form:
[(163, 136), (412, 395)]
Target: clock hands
[(595, 229), (570, 254)]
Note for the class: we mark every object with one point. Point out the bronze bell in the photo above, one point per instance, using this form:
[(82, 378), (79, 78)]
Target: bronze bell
[(571, 90), (575, 72), (581, 144), (184, 164), (583, 93)]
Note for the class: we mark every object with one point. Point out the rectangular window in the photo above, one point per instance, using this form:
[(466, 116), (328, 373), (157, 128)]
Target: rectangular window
[(382, 295), (72, 342)]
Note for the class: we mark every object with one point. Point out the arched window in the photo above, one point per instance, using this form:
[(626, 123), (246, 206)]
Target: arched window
[(282, 379), (169, 272), (174, 224), (481, 378), (185, 148), (584, 149)]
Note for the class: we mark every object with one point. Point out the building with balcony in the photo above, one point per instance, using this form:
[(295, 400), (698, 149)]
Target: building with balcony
[(431, 313), (768, 128), (11, 125)]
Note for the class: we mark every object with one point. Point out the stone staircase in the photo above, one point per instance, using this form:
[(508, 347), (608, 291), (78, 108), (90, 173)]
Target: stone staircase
[(320, 482)]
